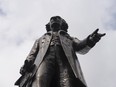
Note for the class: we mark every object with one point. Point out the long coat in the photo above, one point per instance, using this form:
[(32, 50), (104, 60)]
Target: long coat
[(70, 46)]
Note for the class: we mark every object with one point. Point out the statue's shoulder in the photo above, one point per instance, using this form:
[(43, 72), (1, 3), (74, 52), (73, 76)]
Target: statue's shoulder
[(45, 35), (65, 34), (48, 33)]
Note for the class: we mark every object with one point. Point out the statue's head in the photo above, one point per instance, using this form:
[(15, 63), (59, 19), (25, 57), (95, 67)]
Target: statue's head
[(56, 22)]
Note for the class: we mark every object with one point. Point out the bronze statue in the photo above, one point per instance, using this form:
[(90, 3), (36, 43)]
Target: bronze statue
[(52, 62)]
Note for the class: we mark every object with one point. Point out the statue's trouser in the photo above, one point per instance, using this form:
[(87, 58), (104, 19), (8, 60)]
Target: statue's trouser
[(54, 71)]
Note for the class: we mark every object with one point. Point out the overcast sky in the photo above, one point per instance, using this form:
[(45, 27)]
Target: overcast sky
[(23, 21)]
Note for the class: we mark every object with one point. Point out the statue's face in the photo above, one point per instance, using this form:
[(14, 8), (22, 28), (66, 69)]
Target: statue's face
[(55, 22)]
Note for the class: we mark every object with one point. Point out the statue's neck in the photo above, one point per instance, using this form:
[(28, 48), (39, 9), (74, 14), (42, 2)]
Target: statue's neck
[(55, 29)]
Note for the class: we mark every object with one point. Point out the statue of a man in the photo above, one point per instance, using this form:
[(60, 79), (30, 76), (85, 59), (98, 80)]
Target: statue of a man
[(54, 55)]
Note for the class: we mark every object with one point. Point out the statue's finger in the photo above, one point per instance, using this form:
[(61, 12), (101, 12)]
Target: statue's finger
[(95, 32), (101, 35)]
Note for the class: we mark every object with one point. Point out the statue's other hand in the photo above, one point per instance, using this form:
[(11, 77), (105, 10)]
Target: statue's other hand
[(22, 70), (95, 36), (26, 67)]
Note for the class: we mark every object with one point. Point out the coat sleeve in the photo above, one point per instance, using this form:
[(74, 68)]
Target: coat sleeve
[(33, 53), (81, 46)]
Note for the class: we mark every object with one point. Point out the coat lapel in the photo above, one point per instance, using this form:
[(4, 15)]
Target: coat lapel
[(44, 44)]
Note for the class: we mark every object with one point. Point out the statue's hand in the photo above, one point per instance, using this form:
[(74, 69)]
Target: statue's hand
[(26, 67), (95, 37), (22, 70)]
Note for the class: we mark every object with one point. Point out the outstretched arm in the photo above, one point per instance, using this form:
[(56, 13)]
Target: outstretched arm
[(83, 46)]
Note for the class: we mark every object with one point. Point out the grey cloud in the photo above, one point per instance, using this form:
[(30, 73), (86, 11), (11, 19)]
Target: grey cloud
[(2, 13), (111, 22)]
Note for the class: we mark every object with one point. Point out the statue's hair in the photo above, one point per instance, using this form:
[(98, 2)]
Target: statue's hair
[(64, 25)]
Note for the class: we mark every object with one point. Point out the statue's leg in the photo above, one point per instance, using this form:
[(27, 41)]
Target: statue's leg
[(45, 72), (64, 76), (64, 70)]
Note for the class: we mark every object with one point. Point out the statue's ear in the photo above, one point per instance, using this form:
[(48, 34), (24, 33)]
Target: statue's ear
[(64, 25), (48, 27)]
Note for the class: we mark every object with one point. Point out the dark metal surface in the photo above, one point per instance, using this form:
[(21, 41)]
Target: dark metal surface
[(44, 57)]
